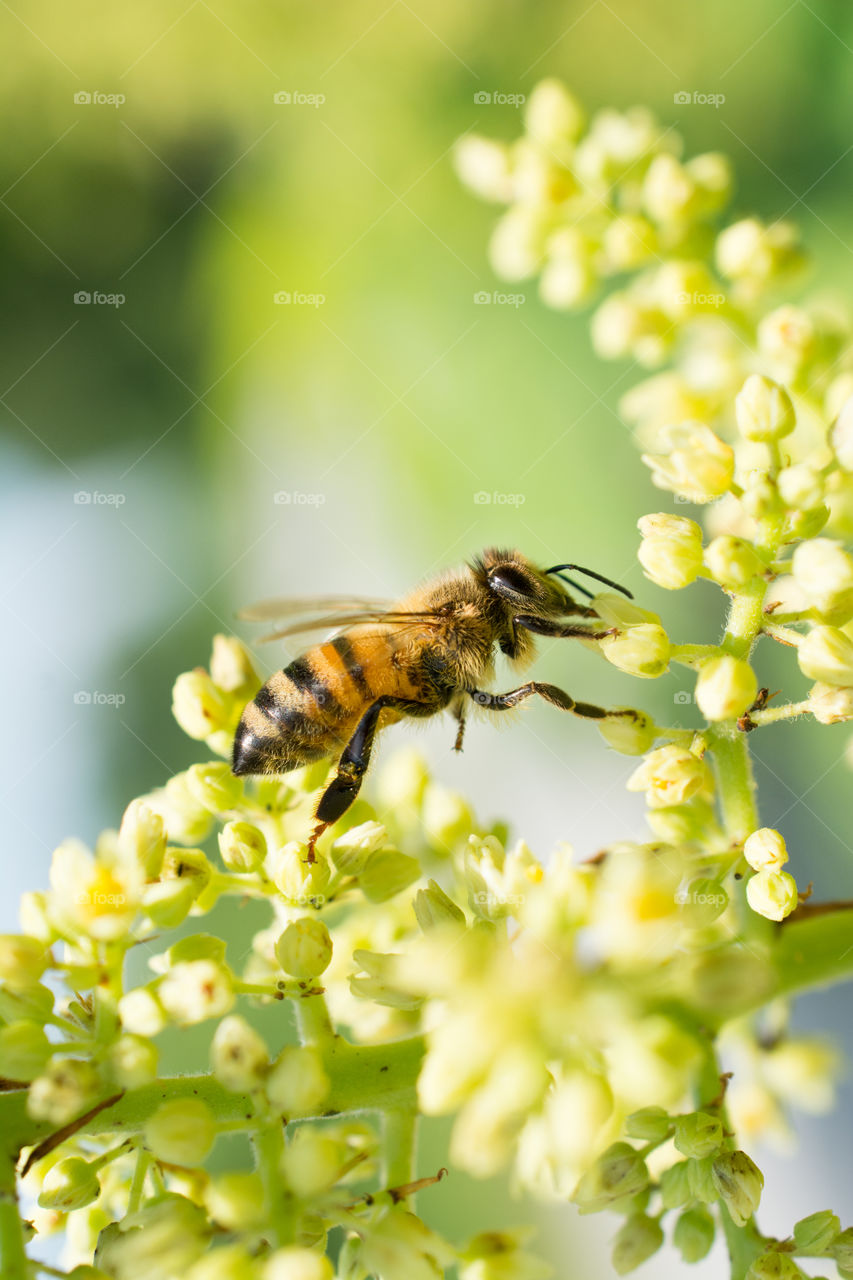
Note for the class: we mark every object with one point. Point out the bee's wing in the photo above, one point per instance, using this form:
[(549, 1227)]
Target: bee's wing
[(340, 614), (292, 606)]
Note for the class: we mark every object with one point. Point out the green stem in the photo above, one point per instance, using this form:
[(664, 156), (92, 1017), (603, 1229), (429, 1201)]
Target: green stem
[(313, 1021), (13, 1257), (735, 782), (279, 1203), (399, 1136), (743, 1243)]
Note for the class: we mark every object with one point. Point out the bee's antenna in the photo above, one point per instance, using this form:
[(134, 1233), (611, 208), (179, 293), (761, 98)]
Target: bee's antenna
[(590, 573)]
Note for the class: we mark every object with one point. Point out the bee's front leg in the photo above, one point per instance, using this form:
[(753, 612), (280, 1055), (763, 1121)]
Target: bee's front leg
[(547, 627)]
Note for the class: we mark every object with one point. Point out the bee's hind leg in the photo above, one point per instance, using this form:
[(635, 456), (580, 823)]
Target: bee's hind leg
[(352, 766), (550, 692)]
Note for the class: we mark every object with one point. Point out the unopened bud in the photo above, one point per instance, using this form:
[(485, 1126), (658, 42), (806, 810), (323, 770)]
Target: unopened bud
[(351, 850), (305, 948), (68, 1087), (24, 1050), (642, 650), (197, 704), (842, 1249), (387, 873), (301, 882), (228, 1262), (484, 167), (132, 1061), (142, 837), (726, 688), (698, 1135), (235, 1201), (231, 665), (71, 1184), (700, 1180), (824, 573), (633, 734), (242, 846), (739, 1182), (826, 654), (765, 850), (694, 1234), (692, 461), (181, 1131), (552, 115), (817, 1232), (733, 562), (651, 1124), (433, 908), (22, 960), (671, 550), (675, 1185), (295, 1263), (297, 1083), (238, 1055), (638, 1239), (619, 1172), (214, 786), (764, 410), (802, 486), (141, 1013), (772, 894), (774, 1266), (195, 990)]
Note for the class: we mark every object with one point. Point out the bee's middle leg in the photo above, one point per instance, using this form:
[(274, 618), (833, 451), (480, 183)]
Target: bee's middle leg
[(547, 627), (550, 692), (352, 766)]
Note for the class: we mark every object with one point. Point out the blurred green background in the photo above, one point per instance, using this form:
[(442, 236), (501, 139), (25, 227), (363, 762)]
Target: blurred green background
[(200, 445)]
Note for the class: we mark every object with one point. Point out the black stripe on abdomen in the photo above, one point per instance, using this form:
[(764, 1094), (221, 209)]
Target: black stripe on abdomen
[(303, 677), (344, 649)]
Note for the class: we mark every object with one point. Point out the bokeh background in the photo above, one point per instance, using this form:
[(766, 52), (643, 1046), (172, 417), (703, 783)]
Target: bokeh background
[(189, 444)]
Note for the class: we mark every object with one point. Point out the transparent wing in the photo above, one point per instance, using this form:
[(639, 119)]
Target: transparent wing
[(292, 606)]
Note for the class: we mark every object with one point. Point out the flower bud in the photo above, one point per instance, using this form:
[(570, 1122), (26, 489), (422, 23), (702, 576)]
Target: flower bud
[(552, 115), (214, 786), (788, 340), (817, 1232), (351, 850), (632, 734), (668, 190), (651, 1124), (228, 1262), (24, 1050), (517, 246), (567, 282), (629, 241), (67, 1087), (802, 487), (693, 462), (141, 1012), (824, 573), (434, 909), (142, 838), (842, 1249), (764, 410), (642, 650), (826, 654), (235, 1201), (619, 1172), (196, 990), (305, 948), (301, 883), (297, 1083), (187, 821), (447, 819), (637, 1240), (774, 1266), (669, 776), (295, 1263), (22, 960), (387, 873), (698, 1135), (733, 562), (484, 167), (231, 665), (700, 1180), (765, 850), (132, 1061), (181, 1131), (402, 782), (671, 550), (70, 1184), (749, 250), (694, 1234), (242, 846), (238, 1055), (739, 1182), (675, 1185), (197, 704), (726, 688), (312, 1162), (772, 894)]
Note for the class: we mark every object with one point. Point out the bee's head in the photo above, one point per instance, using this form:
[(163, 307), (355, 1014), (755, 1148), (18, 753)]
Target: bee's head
[(518, 582)]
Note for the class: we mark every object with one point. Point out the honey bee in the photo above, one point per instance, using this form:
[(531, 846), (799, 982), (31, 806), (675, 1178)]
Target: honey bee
[(433, 651)]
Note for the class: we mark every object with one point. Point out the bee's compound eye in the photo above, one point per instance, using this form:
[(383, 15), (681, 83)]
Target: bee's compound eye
[(509, 581)]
